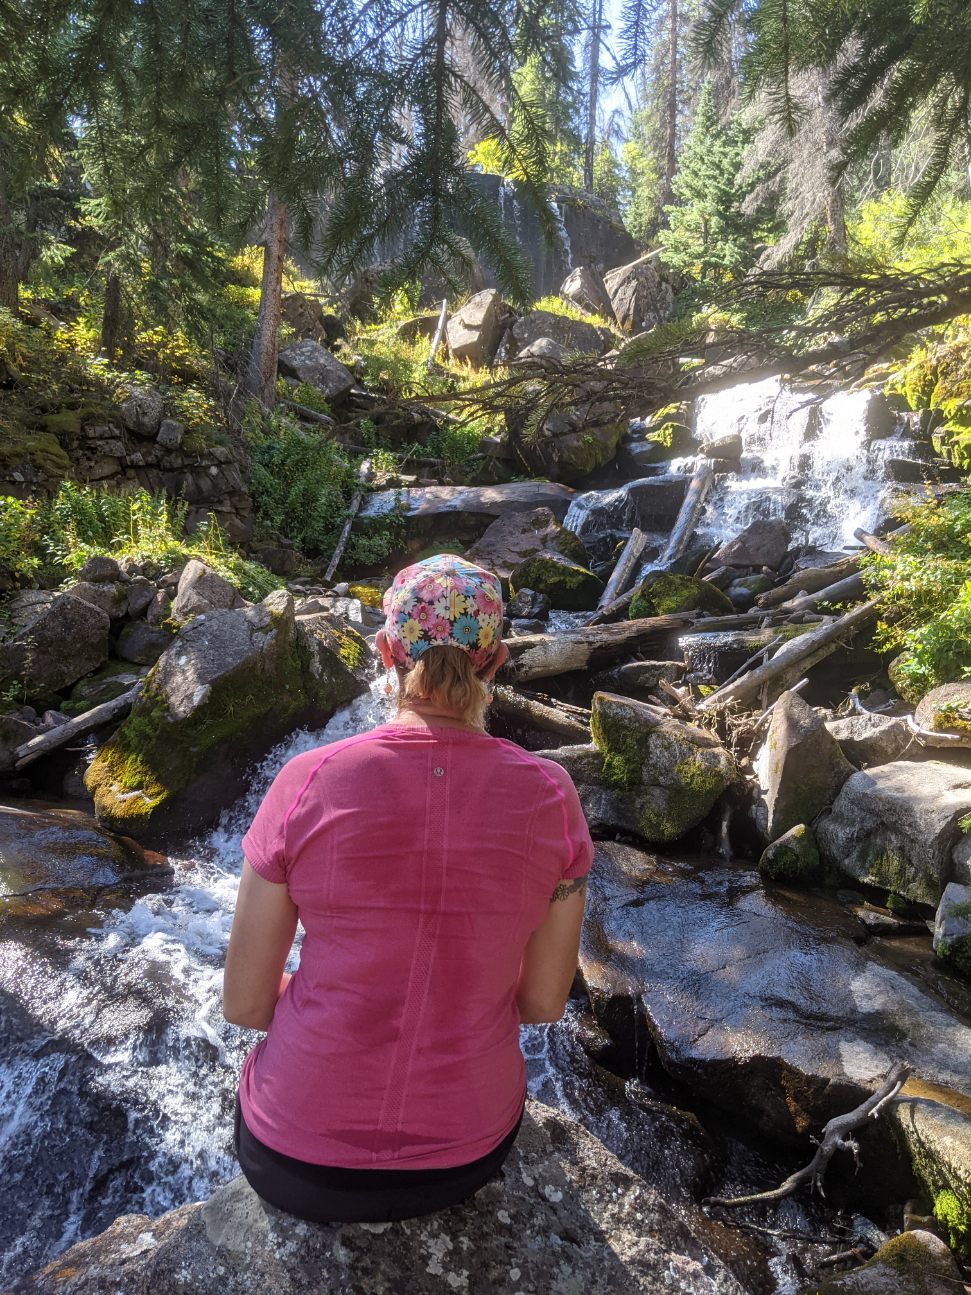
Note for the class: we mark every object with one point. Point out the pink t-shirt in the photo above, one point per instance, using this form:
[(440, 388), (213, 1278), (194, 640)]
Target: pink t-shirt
[(420, 861)]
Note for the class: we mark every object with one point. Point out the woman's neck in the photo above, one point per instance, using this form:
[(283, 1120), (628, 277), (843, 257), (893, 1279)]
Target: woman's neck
[(430, 717)]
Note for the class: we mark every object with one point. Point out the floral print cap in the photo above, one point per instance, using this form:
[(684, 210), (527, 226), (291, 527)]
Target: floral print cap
[(443, 601)]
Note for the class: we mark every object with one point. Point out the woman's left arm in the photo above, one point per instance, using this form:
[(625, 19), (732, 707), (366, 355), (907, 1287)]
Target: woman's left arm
[(264, 925)]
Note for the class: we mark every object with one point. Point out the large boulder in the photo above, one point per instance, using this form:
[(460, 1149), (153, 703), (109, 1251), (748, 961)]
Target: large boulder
[(307, 317), (56, 642), (110, 596), (662, 593), (952, 927), (761, 544), (517, 536), (947, 710), (568, 585), (896, 826), (793, 857), (800, 768), (436, 512), (474, 331), (567, 444), (52, 859), (639, 297), (871, 739), (576, 335), (648, 773), (233, 683), (565, 1216), (765, 1005), (201, 590), (308, 361), (141, 410), (914, 1263), (584, 287)]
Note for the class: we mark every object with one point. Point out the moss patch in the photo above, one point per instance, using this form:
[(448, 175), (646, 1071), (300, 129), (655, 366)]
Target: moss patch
[(793, 857), (567, 584), (663, 594)]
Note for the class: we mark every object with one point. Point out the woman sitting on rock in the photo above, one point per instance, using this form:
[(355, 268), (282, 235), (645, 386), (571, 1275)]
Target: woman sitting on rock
[(438, 874)]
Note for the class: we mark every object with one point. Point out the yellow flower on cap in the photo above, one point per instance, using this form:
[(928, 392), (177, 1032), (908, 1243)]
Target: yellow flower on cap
[(411, 631)]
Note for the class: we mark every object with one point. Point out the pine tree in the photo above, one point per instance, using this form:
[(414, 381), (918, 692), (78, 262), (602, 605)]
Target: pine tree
[(710, 235)]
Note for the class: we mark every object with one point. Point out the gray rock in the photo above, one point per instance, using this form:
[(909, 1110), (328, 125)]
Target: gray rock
[(307, 317), (638, 678), (104, 685), (896, 826), (801, 769), (763, 1004), (914, 1263), (793, 857), (170, 434), (201, 590), (527, 625), (565, 1217), (515, 537), (723, 447), (868, 740), (141, 411), (439, 511), (568, 585), (141, 591), (308, 361), (142, 644), (528, 604), (952, 927), (947, 709), (474, 330), (100, 568), (233, 682), (159, 609), (14, 732), (111, 597), (59, 642), (569, 443), (743, 593), (962, 860), (761, 544), (647, 773), (584, 287), (577, 336), (544, 348), (639, 296)]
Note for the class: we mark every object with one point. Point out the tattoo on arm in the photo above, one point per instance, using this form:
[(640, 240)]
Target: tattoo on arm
[(566, 888)]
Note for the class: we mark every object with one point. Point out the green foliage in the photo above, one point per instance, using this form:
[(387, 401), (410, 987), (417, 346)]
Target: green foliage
[(710, 235), (925, 586), (57, 536), (555, 305), (882, 231), (937, 375), (643, 191)]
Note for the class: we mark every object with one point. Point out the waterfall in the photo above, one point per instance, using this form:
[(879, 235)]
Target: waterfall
[(562, 233), (810, 464)]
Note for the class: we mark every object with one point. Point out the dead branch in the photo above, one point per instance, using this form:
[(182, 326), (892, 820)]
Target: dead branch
[(55, 738), (835, 1138)]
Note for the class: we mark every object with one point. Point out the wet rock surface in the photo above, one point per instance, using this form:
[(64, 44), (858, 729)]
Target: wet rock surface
[(517, 536), (915, 1263), (565, 1216)]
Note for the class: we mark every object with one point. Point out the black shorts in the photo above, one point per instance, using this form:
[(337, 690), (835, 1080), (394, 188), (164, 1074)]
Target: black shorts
[(328, 1194)]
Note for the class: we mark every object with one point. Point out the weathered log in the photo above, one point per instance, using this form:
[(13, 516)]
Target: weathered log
[(613, 611), (541, 656), (510, 702), (808, 581), (363, 472), (626, 568), (874, 543), (310, 415), (796, 656), (844, 590), (437, 338), (687, 519), (55, 738), (835, 1138)]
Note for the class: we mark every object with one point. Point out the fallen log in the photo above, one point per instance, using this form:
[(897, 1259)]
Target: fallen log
[(795, 657), (613, 611), (310, 415), (437, 338), (874, 543), (845, 590), (687, 519), (541, 656), (363, 472), (510, 702), (626, 568), (808, 581), (55, 738)]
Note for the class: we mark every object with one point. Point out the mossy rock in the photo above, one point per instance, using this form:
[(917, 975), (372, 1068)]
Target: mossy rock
[(663, 593), (909, 689), (234, 682), (32, 449), (568, 585), (793, 857), (369, 595), (914, 1263), (665, 775)]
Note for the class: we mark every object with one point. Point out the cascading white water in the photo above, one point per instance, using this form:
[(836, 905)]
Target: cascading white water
[(811, 465)]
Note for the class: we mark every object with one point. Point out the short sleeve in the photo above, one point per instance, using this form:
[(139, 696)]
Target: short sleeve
[(579, 844), (264, 844)]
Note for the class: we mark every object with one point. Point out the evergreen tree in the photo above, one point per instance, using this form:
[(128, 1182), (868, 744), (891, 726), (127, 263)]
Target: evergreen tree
[(710, 234)]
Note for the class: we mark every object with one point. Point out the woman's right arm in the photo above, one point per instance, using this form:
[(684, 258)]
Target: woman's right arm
[(550, 960)]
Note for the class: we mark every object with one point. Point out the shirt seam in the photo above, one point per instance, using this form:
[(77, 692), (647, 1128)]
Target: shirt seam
[(524, 758)]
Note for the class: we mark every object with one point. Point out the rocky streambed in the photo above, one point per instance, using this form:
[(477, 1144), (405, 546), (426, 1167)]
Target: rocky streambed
[(757, 954)]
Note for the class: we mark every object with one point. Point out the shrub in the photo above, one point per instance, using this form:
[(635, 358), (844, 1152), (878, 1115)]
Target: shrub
[(925, 584)]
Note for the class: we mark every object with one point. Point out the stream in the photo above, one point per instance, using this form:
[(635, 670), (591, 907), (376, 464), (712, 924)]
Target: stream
[(118, 1075)]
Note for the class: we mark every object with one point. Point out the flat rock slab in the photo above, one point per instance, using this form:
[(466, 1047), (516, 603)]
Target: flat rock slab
[(757, 1000), (566, 1217), (425, 504)]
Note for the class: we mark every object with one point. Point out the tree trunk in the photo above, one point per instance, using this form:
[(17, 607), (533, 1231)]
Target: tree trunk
[(671, 133), (9, 257), (260, 380), (590, 150), (112, 316)]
